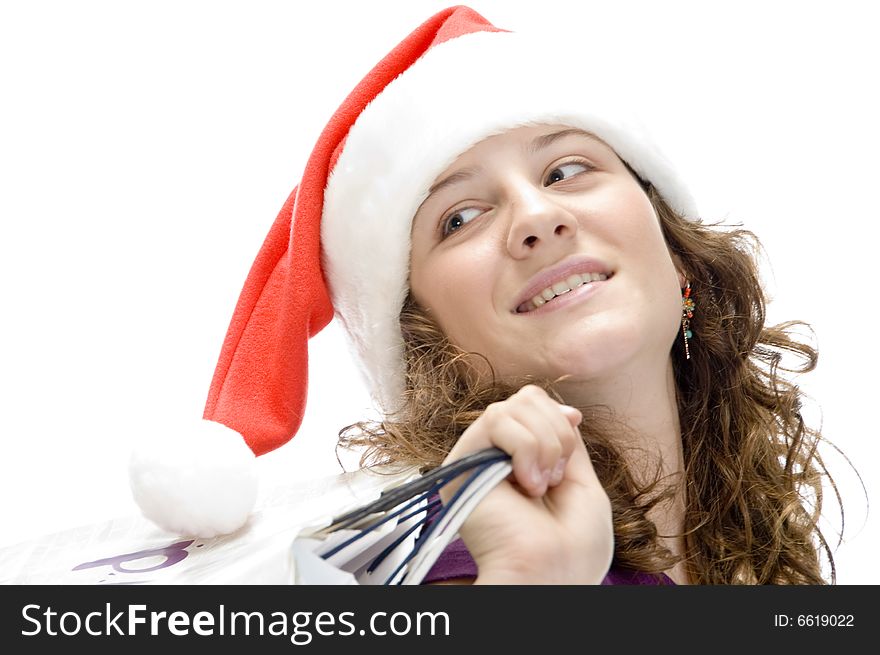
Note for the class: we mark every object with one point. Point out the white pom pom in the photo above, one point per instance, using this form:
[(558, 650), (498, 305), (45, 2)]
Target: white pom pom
[(197, 482)]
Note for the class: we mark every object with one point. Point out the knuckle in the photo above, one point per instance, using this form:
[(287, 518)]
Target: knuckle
[(495, 411), (532, 391)]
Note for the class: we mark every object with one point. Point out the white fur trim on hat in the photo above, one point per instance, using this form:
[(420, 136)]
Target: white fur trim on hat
[(199, 482), (456, 95)]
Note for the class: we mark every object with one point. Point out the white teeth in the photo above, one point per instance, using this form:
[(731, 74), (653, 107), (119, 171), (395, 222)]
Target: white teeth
[(572, 282)]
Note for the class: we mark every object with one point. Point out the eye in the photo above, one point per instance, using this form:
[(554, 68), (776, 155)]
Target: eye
[(458, 219), (565, 171)]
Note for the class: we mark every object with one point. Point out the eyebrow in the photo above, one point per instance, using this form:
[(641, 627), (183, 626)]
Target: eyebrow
[(546, 140), (455, 178), (533, 147)]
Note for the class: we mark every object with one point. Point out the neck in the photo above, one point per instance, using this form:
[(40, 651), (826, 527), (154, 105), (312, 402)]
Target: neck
[(645, 398)]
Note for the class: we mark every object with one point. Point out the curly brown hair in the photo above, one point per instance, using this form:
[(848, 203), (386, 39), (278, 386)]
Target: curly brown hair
[(753, 473)]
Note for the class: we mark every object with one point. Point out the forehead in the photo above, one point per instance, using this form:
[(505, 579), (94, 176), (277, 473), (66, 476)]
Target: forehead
[(531, 139)]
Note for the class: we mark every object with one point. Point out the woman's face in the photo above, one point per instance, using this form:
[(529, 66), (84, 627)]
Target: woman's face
[(504, 245)]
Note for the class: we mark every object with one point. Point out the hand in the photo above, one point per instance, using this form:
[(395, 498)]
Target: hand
[(550, 521)]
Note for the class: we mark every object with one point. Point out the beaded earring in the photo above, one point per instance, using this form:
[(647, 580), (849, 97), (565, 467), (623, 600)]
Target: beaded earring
[(687, 313)]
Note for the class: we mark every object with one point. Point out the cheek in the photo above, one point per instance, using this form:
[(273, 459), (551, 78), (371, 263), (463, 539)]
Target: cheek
[(673, 302), (665, 293), (637, 223), (635, 230), (639, 238), (455, 287)]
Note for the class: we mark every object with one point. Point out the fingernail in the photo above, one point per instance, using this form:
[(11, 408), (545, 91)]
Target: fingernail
[(537, 476), (558, 472)]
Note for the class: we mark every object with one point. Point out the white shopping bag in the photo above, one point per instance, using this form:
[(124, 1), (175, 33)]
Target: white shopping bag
[(131, 550), (397, 538), (363, 527)]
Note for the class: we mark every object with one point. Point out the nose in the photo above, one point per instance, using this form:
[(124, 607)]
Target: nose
[(537, 221)]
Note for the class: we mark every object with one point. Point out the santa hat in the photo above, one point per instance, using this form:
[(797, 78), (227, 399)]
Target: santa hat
[(340, 245)]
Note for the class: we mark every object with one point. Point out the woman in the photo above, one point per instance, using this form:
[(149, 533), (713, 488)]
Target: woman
[(518, 265), (701, 478)]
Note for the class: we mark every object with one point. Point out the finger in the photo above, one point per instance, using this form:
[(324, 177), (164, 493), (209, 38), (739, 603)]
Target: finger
[(552, 424), (541, 399), (579, 469), (542, 407), (551, 430), (498, 428), (574, 417)]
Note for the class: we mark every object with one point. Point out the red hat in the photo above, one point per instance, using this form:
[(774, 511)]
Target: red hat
[(340, 245)]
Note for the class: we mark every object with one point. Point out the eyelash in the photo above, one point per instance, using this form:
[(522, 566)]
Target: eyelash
[(444, 223), (579, 162)]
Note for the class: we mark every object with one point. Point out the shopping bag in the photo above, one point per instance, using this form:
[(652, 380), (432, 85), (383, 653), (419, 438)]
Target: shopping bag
[(132, 550), (371, 526), (397, 538)]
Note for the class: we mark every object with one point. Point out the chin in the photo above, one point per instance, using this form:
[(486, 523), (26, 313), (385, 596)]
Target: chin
[(601, 363), (594, 366), (590, 351)]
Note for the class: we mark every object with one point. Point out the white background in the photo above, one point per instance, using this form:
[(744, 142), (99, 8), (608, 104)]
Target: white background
[(145, 149)]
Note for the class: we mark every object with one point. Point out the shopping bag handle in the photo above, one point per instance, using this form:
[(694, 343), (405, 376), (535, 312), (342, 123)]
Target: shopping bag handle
[(430, 481), (401, 505)]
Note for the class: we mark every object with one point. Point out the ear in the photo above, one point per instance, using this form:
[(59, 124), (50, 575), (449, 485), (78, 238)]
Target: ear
[(679, 270)]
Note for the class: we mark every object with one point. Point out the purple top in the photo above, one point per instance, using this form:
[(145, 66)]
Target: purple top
[(456, 562)]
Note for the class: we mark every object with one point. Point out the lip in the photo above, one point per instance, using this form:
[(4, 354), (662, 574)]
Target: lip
[(564, 269)]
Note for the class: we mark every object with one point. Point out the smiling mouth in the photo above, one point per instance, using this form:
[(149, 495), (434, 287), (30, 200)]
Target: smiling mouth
[(561, 288)]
